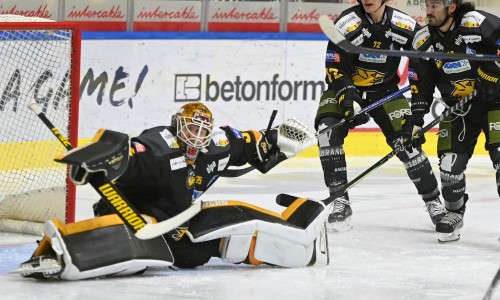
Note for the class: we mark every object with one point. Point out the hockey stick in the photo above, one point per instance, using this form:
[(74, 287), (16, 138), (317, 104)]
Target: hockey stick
[(446, 113), (243, 171), (336, 37), (365, 110), (131, 218), (492, 286)]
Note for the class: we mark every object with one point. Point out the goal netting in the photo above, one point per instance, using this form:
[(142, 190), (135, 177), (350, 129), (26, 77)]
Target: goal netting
[(39, 61)]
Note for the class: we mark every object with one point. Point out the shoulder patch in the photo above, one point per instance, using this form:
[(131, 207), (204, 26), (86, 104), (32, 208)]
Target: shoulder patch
[(404, 21), (219, 138), (472, 19), (348, 23), (421, 37), (332, 56), (139, 147), (236, 132), (169, 138)]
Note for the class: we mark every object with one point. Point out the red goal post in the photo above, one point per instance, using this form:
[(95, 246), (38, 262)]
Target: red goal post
[(40, 61)]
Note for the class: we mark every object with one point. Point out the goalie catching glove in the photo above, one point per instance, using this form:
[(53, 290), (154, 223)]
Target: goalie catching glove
[(107, 152), (280, 143)]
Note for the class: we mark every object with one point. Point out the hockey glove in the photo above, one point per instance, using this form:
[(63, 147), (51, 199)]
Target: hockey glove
[(346, 102), (487, 83), (410, 125)]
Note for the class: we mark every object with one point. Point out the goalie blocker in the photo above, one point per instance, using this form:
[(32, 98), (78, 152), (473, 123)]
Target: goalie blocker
[(237, 232)]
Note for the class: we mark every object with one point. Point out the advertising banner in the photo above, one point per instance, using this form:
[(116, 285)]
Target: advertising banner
[(48, 9), (153, 15), (97, 15)]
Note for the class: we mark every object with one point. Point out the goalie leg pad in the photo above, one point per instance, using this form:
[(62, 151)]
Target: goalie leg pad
[(254, 235), (495, 158), (101, 246)]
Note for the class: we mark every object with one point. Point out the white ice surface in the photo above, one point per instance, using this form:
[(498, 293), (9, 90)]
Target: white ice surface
[(392, 252)]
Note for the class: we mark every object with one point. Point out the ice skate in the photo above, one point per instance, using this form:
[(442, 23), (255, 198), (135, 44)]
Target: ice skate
[(340, 218), (41, 267), (449, 227), (436, 210)]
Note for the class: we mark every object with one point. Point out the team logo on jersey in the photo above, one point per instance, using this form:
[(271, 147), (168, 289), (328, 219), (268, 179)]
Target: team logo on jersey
[(403, 21), (365, 77), (373, 58), (421, 37), (439, 63), (472, 19), (463, 88), (348, 24), (456, 66), (412, 74), (219, 138), (332, 56), (169, 138)]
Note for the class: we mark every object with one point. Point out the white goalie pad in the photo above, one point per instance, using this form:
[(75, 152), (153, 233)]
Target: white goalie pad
[(294, 137)]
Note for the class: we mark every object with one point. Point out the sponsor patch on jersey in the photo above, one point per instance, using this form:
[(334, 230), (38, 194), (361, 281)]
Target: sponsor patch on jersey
[(403, 21), (472, 19), (469, 50), (219, 138), (373, 58), (421, 37), (399, 38), (332, 56), (472, 38), (328, 101), (222, 163), (169, 138), (348, 23), (196, 195), (139, 147), (214, 178), (236, 132), (177, 163), (412, 74), (456, 66), (359, 40)]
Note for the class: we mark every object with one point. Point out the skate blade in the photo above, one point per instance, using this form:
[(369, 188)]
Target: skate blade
[(340, 226), (449, 237), (47, 268)]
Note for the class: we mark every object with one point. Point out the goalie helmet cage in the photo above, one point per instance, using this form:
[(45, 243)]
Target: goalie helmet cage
[(40, 61)]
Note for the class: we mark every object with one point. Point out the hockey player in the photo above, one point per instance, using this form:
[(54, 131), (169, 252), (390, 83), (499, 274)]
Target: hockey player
[(163, 171), (364, 79), (455, 26)]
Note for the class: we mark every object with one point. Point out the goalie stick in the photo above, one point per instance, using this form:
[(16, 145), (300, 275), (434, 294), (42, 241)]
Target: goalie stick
[(365, 110), (130, 216), (337, 38), (446, 113)]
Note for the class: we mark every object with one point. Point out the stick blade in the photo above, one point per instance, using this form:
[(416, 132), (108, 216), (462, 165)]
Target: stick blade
[(330, 30), (154, 230)]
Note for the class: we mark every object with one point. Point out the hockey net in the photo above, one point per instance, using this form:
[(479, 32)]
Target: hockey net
[(39, 62)]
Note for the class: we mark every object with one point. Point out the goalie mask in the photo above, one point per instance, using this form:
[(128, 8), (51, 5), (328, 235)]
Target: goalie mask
[(193, 125)]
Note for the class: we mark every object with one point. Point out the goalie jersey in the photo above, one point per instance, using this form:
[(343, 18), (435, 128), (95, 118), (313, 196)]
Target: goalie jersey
[(368, 72), (477, 32), (159, 182)]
